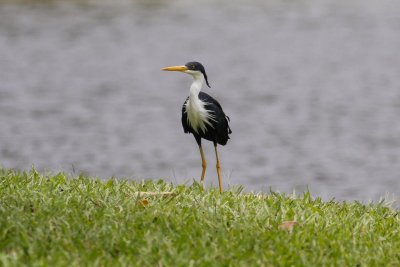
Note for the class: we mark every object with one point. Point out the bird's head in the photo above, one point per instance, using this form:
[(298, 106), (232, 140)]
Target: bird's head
[(193, 68)]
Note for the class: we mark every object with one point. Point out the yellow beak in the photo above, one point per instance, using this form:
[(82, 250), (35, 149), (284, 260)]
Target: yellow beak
[(175, 68)]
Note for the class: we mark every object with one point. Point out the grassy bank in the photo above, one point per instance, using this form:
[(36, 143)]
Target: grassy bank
[(57, 220)]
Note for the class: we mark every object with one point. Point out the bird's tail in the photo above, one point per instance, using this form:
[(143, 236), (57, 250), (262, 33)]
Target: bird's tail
[(222, 138)]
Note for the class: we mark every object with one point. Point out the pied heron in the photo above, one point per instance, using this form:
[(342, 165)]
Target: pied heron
[(202, 115)]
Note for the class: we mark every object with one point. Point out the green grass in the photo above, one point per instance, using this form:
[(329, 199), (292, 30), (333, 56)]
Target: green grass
[(58, 220)]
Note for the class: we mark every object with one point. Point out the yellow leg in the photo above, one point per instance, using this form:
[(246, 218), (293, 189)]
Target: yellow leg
[(218, 169), (203, 164)]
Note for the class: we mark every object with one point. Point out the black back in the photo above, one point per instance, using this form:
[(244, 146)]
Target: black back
[(219, 130)]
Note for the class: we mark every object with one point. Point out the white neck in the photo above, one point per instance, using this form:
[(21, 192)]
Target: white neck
[(198, 117), (196, 86)]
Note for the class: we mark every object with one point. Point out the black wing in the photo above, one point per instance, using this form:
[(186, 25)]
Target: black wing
[(221, 123), (184, 117)]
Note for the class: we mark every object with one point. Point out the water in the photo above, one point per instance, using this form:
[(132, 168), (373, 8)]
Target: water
[(312, 89)]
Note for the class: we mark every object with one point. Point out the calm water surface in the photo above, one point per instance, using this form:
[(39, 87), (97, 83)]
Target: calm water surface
[(312, 89)]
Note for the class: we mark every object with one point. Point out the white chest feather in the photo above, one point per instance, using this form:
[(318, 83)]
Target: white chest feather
[(198, 117)]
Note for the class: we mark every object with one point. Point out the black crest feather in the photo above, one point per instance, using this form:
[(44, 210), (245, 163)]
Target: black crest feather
[(194, 65)]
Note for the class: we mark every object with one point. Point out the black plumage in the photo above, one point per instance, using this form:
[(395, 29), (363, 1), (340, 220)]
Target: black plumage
[(219, 130)]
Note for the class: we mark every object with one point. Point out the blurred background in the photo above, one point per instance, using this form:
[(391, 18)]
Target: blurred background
[(312, 89)]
